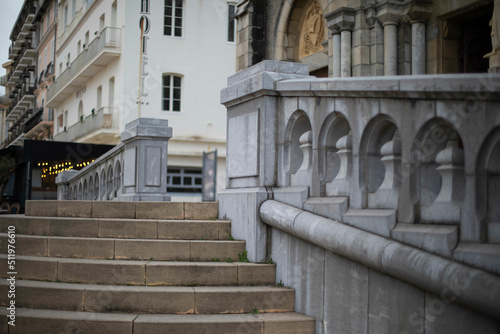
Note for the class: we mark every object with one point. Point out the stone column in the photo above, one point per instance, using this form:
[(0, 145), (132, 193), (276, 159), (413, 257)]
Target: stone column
[(345, 53), (418, 49), (145, 143), (419, 12), (446, 208), (389, 16), (390, 48), (336, 52), (387, 195), (342, 19), (303, 175)]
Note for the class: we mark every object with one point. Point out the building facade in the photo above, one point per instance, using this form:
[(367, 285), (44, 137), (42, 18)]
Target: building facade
[(120, 60), (20, 78), (371, 38)]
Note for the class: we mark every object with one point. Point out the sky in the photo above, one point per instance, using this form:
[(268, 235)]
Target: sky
[(9, 11)]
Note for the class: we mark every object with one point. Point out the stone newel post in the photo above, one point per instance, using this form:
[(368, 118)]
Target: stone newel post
[(145, 160)]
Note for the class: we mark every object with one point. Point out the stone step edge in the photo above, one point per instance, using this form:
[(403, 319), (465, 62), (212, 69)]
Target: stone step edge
[(118, 228), (128, 323), (141, 272), (115, 248), (131, 210), (150, 299)]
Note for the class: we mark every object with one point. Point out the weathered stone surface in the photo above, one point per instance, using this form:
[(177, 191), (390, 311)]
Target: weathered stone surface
[(330, 207), (74, 209), (159, 250), (112, 209), (256, 274), (188, 230), (379, 221), (90, 248), (435, 239), (73, 227), (191, 274), (172, 210), (134, 229), (203, 210)]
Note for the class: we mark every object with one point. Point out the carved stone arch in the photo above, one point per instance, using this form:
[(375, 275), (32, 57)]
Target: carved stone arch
[(488, 186), (380, 130), (334, 127), (426, 182), (297, 125), (292, 19)]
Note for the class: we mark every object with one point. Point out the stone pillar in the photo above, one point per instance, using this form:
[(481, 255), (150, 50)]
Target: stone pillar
[(342, 19), (346, 47), (252, 144), (419, 12), (418, 50), (336, 52), (389, 15), (145, 143), (390, 48)]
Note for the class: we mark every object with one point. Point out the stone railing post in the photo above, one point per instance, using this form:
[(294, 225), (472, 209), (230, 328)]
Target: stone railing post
[(446, 208), (62, 182), (145, 160), (341, 184), (253, 148), (343, 19), (303, 175), (387, 195)]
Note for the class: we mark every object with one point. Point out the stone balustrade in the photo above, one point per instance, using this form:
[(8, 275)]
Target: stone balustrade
[(134, 170), (420, 150), (379, 189)]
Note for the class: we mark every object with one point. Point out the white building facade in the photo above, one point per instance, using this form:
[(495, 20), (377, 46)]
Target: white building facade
[(107, 75)]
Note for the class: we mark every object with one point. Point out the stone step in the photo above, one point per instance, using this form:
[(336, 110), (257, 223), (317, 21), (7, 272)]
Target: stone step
[(135, 249), (50, 321), (128, 210), (118, 228), (329, 207), (149, 299), (134, 272), (438, 239), (378, 221)]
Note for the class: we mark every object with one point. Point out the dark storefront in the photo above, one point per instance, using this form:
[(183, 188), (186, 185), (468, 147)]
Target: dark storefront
[(38, 164)]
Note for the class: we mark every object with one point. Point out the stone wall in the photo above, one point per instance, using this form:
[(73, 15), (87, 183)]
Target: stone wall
[(411, 160), (379, 37)]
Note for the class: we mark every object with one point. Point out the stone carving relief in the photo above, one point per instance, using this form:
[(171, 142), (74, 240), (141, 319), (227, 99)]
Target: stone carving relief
[(313, 31)]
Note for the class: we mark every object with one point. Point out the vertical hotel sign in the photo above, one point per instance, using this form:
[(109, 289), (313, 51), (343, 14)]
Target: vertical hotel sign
[(144, 25)]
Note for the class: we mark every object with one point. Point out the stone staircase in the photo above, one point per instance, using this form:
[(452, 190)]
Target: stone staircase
[(138, 267)]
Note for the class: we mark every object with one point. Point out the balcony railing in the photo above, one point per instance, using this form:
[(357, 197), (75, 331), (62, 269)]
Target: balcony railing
[(100, 52), (23, 100), (105, 119)]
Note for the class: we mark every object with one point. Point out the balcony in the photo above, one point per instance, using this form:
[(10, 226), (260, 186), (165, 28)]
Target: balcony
[(37, 123), (21, 102), (100, 52), (101, 127)]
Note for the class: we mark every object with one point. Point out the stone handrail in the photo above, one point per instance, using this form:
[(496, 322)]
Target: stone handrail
[(131, 171), (478, 289)]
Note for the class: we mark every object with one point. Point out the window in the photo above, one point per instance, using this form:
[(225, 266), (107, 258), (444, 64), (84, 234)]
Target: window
[(184, 179), (231, 26), (171, 92), (65, 16), (172, 22)]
